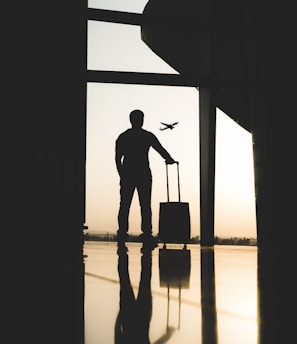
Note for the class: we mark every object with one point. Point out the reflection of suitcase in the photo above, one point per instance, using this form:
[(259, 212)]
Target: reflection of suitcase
[(174, 218), (175, 268), (174, 272)]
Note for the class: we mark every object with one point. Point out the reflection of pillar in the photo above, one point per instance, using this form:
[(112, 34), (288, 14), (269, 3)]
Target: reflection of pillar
[(208, 297), (207, 115), (179, 306), (168, 303)]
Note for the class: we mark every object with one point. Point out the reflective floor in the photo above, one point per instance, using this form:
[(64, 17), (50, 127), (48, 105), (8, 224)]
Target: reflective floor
[(170, 295)]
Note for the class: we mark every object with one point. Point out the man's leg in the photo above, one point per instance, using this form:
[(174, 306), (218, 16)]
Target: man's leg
[(144, 189), (126, 194)]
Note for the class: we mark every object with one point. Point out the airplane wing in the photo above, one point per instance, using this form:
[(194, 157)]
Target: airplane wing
[(164, 124), (175, 123)]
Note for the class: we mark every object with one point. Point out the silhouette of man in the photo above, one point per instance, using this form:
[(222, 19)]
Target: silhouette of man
[(132, 162)]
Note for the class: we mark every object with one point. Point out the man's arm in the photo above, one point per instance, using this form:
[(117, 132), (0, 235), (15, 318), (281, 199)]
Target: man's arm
[(118, 158), (162, 151)]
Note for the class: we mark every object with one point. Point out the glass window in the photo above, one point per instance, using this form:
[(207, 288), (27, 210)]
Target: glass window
[(119, 47), (108, 109), (134, 6)]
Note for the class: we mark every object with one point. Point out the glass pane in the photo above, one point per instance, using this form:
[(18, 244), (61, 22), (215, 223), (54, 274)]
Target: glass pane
[(108, 109), (134, 6), (119, 47)]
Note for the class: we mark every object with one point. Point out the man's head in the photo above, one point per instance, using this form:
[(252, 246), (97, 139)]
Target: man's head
[(136, 118)]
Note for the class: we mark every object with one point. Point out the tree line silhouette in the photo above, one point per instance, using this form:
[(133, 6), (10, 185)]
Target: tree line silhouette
[(112, 237)]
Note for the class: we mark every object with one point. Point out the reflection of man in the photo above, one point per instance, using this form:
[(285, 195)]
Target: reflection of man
[(132, 162), (133, 321)]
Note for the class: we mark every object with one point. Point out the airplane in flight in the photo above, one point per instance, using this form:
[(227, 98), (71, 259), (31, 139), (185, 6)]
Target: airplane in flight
[(168, 126)]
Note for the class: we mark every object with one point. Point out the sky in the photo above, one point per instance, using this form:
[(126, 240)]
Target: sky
[(119, 47)]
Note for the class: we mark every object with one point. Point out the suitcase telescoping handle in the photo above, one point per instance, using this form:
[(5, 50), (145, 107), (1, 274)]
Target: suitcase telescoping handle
[(177, 167)]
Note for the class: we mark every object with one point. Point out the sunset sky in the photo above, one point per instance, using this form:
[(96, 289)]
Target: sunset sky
[(119, 47)]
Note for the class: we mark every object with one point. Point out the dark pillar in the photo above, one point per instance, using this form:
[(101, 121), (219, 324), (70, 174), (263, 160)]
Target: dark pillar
[(207, 124), (273, 110), (275, 183)]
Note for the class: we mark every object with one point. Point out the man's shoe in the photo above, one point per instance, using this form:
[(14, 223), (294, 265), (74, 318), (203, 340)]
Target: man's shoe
[(121, 237), (150, 241)]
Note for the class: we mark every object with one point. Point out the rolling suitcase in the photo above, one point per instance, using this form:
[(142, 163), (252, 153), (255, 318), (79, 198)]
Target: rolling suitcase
[(174, 218)]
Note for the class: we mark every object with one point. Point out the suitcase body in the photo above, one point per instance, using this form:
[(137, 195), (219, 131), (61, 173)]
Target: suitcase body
[(174, 219)]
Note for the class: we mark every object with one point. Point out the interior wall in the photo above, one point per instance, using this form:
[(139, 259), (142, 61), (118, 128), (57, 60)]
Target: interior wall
[(44, 121)]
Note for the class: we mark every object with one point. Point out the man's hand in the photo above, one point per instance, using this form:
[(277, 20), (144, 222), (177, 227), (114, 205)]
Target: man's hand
[(170, 161)]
